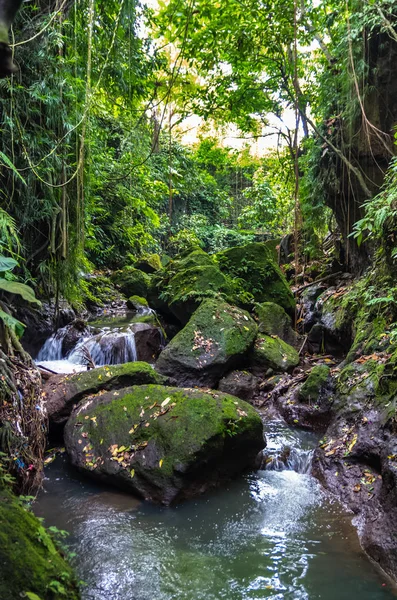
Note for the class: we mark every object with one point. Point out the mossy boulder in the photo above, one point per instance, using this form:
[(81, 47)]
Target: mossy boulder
[(62, 392), (217, 338), (258, 273), (137, 303), (29, 560), (239, 383), (164, 444), (272, 353), (314, 384), (149, 263), (189, 287), (132, 282), (273, 320), (178, 289)]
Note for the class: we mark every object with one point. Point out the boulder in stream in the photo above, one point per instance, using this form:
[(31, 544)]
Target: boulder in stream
[(161, 443), (62, 392), (217, 338)]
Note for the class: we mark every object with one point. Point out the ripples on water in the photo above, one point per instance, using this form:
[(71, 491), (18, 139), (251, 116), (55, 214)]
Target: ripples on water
[(268, 535)]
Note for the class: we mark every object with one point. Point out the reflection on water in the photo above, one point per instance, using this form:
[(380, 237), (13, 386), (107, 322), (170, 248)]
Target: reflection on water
[(268, 535)]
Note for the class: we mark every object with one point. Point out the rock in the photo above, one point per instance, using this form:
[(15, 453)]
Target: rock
[(29, 560), (189, 287), (239, 383), (148, 341), (271, 353), (273, 320), (132, 282), (357, 458), (73, 334), (149, 264), (333, 332), (62, 392), (178, 289), (314, 384), (137, 303), (260, 278), (308, 301), (217, 338), (163, 444), (40, 323), (309, 405)]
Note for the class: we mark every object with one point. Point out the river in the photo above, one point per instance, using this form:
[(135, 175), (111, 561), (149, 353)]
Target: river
[(272, 534)]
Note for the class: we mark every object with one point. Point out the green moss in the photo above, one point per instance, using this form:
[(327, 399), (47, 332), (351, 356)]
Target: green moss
[(132, 282), (273, 353), (273, 320), (179, 424), (137, 302), (216, 333), (189, 287), (29, 560), (98, 291), (149, 263), (258, 274), (311, 389)]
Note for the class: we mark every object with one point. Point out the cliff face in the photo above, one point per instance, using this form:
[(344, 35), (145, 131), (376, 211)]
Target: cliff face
[(367, 141)]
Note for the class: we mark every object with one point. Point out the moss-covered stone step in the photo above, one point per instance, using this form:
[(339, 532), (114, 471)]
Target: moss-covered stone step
[(29, 560), (217, 338), (62, 392), (164, 444)]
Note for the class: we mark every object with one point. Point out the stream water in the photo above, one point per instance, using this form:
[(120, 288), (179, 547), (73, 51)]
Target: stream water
[(109, 340), (273, 534)]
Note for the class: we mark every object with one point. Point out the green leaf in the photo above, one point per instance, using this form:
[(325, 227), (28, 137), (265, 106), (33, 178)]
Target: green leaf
[(10, 165), (32, 596), (12, 323), (13, 287), (7, 263)]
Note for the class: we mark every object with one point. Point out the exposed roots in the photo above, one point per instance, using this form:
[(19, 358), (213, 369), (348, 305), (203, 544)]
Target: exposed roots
[(23, 422)]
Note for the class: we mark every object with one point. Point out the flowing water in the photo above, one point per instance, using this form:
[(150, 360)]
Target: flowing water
[(110, 340), (272, 534)]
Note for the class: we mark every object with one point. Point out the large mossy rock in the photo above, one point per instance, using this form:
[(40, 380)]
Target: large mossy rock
[(62, 392), (132, 282), (272, 353), (163, 444), (180, 288), (217, 338), (29, 560), (273, 320), (260, 276)]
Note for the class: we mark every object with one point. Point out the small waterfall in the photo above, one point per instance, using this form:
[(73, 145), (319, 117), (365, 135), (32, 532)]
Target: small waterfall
[(108, 348), (289, 459), (52, 349)]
